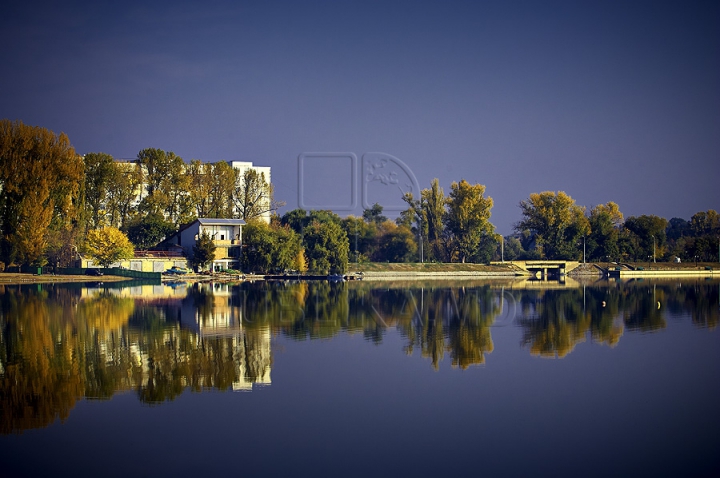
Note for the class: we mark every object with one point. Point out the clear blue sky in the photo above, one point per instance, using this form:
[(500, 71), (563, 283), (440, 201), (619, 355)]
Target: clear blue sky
[(605, 100)]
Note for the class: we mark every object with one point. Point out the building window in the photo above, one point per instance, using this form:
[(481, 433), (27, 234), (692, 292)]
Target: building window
[(222, 237)]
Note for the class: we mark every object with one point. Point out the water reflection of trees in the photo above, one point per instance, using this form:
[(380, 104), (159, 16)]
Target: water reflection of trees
[(57, 347), (436, 320), (555, 321), (59, 344)]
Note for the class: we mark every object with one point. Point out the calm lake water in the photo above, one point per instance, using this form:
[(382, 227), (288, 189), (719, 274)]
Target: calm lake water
[(361, 379)]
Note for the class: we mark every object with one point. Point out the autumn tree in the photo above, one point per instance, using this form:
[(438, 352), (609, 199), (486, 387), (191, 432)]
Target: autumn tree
[(254, 195), (556, 223), (123, 189), (41, 179), (30, 237), (222, 185), (166, 185), (200, 187), (468, 221), (99, 173), (108, 245)]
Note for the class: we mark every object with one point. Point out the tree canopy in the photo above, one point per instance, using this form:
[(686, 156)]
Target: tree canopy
[(40, 190), (108, 245), (468, 221), (326, 247), (203, 252), (556, 223), (271, 248)]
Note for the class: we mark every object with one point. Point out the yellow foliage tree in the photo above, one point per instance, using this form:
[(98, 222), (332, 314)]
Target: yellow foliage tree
[(108, 245)]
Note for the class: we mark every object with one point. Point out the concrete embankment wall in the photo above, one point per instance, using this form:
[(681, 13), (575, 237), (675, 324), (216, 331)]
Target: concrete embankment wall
[(666, 273), (436, 275)]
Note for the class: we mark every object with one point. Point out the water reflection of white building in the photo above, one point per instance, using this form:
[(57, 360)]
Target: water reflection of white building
[(253, 363), (213, 317)]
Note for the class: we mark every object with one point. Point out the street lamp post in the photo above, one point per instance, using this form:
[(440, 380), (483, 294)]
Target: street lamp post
[(653, 247), (583, 249)]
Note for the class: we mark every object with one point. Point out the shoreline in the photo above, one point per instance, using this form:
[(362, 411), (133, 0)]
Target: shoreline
[(403, 272), (28, 278)]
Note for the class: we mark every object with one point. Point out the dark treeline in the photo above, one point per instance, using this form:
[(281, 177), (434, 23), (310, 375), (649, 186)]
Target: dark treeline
[(50, 198)]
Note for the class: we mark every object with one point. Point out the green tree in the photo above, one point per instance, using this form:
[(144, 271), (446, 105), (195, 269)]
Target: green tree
[(108, 245), (146, 232), (297, 219), (396, 244), (602, 243), (468, 221), (203, 252), (705, 223), (428, 213), (433, 204), (270, 247), (556, 223), (649, 237), (363, 237), (374, 214), (512, 248), (323, 215), (677, 228), (326, 247)]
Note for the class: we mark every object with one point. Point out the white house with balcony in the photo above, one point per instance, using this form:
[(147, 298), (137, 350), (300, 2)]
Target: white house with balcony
[(226, 234)]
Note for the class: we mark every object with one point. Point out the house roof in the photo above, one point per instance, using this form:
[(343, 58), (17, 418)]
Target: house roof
[(208, 221)]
